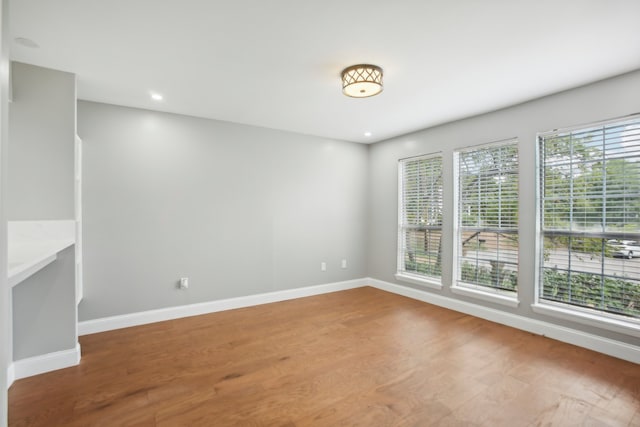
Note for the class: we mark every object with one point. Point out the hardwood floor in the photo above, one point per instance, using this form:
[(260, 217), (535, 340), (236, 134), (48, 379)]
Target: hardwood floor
[(362, 357)]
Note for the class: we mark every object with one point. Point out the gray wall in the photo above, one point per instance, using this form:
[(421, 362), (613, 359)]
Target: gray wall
[(41, 144), (40, 185), (603, 100), (44, 317), (239, 210)]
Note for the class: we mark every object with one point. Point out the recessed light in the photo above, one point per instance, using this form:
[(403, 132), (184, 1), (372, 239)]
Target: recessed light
[(156, 97), (23, 41), (367, 134)]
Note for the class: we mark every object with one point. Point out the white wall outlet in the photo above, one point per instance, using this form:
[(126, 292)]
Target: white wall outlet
[(184, 283), (344, 263), (323, 266)]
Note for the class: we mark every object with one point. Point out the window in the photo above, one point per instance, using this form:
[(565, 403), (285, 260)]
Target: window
[(590, 220), (487, 210), (420, 219)]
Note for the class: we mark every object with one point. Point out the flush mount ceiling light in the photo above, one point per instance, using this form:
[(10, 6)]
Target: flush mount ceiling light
[(362, 80)]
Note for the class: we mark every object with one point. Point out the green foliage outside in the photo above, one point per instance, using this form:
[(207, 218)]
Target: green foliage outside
[(425, 268), (577, 168), (495, 277), (424, 178), (489, 188), (489, 200), (594, 291), (423, 211), (590, 187)]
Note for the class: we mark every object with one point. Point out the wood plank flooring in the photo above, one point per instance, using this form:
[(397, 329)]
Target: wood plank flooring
[(361, 357)]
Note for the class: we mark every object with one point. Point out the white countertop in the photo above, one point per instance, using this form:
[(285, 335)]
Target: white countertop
[(34, 244)]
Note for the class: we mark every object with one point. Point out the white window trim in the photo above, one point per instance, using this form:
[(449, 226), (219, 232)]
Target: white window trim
[(497, 296), (585, 125), (582, 315), (401, 275), (419, 280), (484, 293)]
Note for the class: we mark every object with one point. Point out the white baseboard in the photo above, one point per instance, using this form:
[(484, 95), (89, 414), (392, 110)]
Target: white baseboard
[(597, 343), (134, 319), (11, 374), (63, 359), (30, 366)]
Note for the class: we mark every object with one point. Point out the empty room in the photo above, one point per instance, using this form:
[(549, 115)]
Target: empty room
[(320, 213)]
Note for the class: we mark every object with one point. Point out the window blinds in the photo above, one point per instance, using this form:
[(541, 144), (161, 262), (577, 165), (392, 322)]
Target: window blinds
[(590, 210), (420, 216), (488, 216)]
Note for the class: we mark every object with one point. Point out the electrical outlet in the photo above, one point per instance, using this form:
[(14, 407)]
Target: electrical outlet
[(184, 283), (323, 266), (344, 263)]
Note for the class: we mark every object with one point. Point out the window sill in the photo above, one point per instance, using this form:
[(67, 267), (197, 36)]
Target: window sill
[(562, 311), (418, 280), (495, 296)]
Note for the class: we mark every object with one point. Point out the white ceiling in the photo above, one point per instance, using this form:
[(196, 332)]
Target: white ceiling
[(276, 63)]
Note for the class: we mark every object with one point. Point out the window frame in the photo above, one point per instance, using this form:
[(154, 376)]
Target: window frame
[(485, 293), (579, 314), (432, 282)]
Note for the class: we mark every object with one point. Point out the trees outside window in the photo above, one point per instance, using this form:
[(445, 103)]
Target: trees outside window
[(487, 238), (420, 217), (590, 218)]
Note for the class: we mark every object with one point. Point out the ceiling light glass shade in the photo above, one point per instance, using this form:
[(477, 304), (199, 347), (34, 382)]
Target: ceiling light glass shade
[(361, 81)]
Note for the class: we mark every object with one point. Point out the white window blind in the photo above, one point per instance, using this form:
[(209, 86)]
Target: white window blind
[(590, 218), (487, 246), (420, 216)]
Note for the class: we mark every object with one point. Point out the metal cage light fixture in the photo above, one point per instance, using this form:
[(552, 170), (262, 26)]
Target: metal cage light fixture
[(362, 80)]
